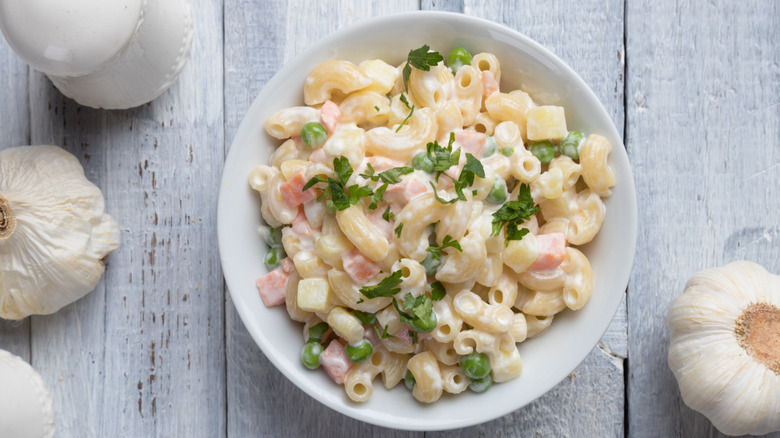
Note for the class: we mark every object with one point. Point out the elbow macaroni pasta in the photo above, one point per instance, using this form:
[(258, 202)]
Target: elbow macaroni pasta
[(484, 293)]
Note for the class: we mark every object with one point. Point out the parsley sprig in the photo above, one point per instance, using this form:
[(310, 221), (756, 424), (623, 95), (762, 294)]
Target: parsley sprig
[(385, 288), (421, 59), (422, 319), (513, 213)]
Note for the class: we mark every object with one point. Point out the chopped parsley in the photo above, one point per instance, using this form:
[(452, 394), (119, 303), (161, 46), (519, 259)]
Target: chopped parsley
[(513, 213), (386, 288), (421, 319), (388, 215), (420, 59), (437, 291), (398, 230), (408, 116), (341, 197), (383, 334), (366, 318), (389, 176)]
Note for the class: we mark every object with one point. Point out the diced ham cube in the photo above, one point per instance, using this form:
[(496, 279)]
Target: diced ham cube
[(292, 190), (272, 286), (552, 250), (301, 226), (489, 83), (330, 115), (384, 227), (472, 142), (335, 362), (359, 267), (403, 192)]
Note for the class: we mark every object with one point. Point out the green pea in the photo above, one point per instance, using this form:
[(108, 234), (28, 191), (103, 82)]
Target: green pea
[(423, 162), (497, 194), (359, 352), (490, 147), (272, 236), (475, 365), (317, 331), (273, 258), (431, 263), (543, 150), (481, 385), (313, 134), (570, 145), (425, 324), (409, 380), (507, 151), (365, 317), (310, 355), (457, 58)]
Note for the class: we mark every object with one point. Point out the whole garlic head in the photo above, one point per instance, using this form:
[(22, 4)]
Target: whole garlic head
[(54, 231), (725, 347)]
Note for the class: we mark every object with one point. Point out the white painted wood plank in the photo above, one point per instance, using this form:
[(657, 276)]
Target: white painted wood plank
[(591, 402), (702, 107), (143, 354), (14, 112), (259, 40)]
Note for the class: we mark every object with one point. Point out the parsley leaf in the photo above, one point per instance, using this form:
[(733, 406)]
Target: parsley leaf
[(513, 213), (356, 192), (448, 242), (422, 319), (338, 194), (420, 59), (384, 334), (407, 118), (386, 288), (393, 176), (376, 198), (314, 180), (398, 230), (342, 168), (388, 215), (369, 173), (366, 318), (471, 168), (437, 291), (403, 99)]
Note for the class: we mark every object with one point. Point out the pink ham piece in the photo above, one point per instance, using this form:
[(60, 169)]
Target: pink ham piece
[(272, 286), (489, 83), (552, 250), (318, 156), (359, 267), (383, 226), (330, 115), (292, 190), (335, 363), (472, 142), (404, 191), (301, 226)]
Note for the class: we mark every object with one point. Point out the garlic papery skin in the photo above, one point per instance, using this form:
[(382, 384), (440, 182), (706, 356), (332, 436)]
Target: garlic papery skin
[(725, 347), (54, 231)]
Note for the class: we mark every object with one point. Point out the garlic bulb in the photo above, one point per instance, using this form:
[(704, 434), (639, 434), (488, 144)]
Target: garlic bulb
[(26, 407), (53, 231), (725, 347)]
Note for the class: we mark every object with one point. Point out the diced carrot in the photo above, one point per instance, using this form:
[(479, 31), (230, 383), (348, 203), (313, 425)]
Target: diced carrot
[(272, 286), (335, 362), (292, 190), (472, 142), (489, 84), (552, 250), (330, 115), (359, 267), (380, 164), (403, 192)]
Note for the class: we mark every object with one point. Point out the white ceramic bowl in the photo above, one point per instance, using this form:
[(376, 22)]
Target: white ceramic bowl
[(547, 359)]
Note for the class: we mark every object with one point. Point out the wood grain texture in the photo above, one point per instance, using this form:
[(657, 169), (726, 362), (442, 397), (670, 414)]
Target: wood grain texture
[(704, 140), (261, 401), (143, 354)]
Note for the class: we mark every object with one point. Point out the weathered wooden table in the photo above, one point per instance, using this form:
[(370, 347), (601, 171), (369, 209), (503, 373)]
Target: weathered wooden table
[(158, 349)]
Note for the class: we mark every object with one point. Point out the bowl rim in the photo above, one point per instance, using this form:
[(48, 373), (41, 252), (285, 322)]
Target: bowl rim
[(518, 39)]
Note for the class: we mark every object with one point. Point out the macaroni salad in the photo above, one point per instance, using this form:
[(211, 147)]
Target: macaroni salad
[(422, 222)]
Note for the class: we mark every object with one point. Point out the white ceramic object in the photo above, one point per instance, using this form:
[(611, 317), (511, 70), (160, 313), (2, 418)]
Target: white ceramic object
[(103, 54), (547, 359), (26, 408)]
